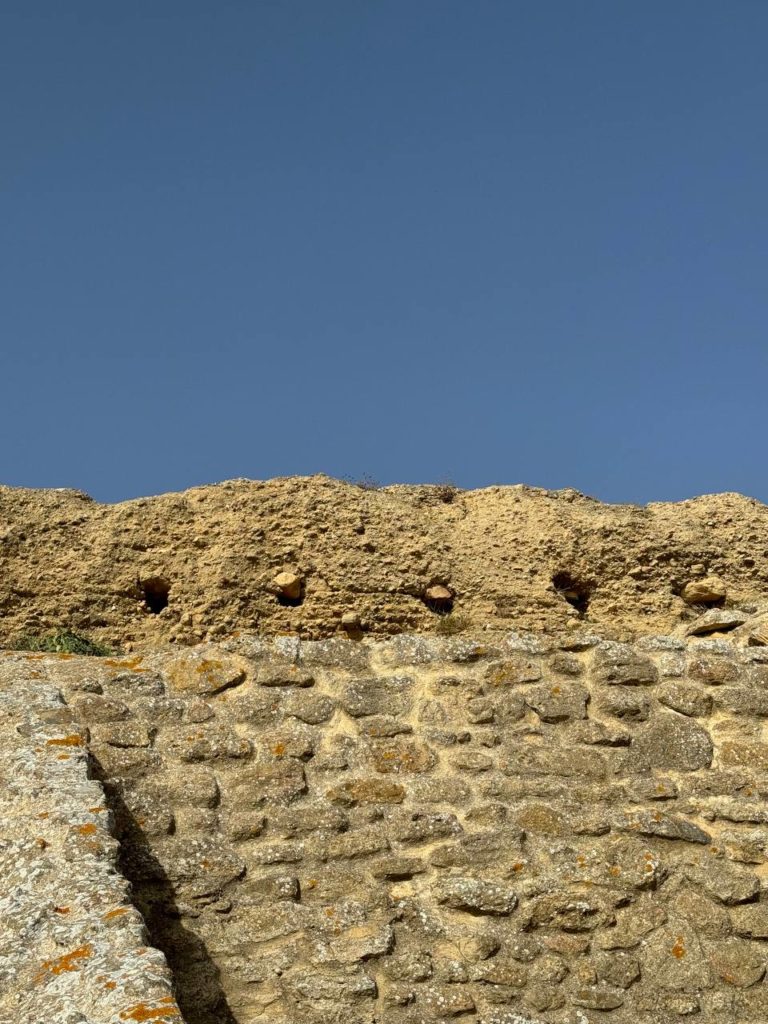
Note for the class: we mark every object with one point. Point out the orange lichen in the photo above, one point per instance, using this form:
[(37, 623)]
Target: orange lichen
[(164, 1009), (614, 870), (117, 912), (61, 910), (73, 740), (279, 749), (97, 810), (86, 830), (62, 964), (130, 663), (110, 986), (679, 950), (63, 757)]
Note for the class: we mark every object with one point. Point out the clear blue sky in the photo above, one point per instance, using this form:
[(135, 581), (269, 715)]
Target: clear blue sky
[(489, 240)]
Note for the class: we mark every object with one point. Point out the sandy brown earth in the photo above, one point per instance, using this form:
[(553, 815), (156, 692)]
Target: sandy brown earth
[(514, 557)]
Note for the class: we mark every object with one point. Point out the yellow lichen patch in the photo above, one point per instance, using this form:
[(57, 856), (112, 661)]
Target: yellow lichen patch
[(69, 962), (117, 912), (165, 1009), (73, 740), (131, 664)]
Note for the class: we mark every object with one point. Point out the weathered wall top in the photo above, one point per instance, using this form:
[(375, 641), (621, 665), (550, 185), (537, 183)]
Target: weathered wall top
[(204, 563), (411, 831)]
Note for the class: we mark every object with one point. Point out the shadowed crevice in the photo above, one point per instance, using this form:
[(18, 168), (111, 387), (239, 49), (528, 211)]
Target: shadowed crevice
[(196, 978)]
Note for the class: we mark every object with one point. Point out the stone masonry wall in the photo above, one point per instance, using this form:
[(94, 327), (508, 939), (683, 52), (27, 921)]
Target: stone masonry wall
[(425, 830)]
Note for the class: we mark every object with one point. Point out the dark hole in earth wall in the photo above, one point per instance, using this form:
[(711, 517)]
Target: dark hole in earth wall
[(155, 591), (576, 592)]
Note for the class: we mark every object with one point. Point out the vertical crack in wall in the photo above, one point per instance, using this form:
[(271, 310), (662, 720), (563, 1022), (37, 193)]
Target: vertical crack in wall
[(196, 978)]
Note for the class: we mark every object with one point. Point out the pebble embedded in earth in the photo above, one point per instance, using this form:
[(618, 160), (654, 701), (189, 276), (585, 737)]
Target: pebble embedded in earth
[(288, 585), (706, 591)]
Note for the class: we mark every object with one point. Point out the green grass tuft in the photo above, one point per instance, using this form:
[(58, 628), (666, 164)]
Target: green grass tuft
[(63, 641), (451, 624)]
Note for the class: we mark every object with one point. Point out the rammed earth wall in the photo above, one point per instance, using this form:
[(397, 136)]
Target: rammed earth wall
[(408, 831)]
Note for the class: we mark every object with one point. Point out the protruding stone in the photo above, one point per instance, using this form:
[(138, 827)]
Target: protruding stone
[(438, 595), (710, 590), (716, 620), (476, 896), (288, 585)]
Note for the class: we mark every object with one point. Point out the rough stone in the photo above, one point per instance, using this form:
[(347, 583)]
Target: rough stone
[(704, 591), (673, 741), (204, 671), (476, 896)]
